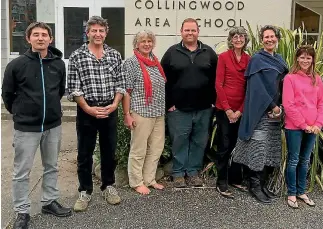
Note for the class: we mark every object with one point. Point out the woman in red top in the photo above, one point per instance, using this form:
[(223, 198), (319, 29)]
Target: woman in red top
[(230, 87)]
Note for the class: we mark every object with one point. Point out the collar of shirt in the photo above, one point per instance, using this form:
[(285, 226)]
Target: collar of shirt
[(86, 50), (199, 46)]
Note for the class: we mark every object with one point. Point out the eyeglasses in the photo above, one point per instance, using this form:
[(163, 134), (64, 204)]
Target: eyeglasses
[(238, 36)]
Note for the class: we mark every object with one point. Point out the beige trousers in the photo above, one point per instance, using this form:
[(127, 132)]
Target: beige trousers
[(146, 146)]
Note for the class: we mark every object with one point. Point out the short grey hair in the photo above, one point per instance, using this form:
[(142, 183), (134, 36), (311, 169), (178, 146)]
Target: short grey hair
[(142, 34), (239, 31), (97, 20), (269, 27)]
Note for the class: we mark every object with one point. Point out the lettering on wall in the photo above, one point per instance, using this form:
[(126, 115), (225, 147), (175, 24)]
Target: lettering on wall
[(185, 5)]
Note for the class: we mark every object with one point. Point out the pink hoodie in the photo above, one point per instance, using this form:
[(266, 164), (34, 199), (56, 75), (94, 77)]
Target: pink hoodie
[(303, 102)]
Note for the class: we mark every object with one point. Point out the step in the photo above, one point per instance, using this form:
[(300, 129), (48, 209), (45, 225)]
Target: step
[(68, 115), (68, 106)]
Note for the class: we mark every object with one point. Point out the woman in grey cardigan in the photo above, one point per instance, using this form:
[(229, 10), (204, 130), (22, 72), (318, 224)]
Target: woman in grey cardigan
[(144, 110)]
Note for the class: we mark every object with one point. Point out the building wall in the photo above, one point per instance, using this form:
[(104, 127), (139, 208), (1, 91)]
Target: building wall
[(315, 5), (138, 16), (164, 18), (4, 39)]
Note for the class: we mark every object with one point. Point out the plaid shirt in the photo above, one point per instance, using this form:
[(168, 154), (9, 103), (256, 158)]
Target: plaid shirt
[(97, 80), (135, 82)]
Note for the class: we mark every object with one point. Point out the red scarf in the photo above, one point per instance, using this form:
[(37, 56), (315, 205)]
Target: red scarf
[(147, 82)]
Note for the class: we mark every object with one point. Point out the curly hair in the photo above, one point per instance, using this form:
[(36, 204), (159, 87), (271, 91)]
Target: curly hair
[(269, 27), (97, 20), (142, 34), (239, 31)]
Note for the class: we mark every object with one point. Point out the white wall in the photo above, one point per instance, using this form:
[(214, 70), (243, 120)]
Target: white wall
[(4, 39), (45, 10), (256, 12)]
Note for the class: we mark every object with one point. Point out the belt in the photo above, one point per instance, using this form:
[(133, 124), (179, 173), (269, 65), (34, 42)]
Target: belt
[(99, 104)]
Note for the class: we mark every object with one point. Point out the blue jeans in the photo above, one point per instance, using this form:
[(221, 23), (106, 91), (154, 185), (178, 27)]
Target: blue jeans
[(300, 146), (189, 133)]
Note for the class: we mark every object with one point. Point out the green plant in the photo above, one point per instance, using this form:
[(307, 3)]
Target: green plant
[(287, 46), (290, 41)]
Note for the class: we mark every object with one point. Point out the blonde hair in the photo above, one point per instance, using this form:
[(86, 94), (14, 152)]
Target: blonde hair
[(142, 34)]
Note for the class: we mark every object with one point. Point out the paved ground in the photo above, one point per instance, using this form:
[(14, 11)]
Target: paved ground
[(189, 209), (194, 208), (67, 171)]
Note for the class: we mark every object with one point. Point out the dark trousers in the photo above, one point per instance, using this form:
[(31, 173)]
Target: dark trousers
[(87, 128), (226, 139)]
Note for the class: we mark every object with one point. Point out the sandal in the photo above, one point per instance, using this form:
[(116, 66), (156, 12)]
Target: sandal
[(307, 201), (292, 204), (226, 194), (240, 188)]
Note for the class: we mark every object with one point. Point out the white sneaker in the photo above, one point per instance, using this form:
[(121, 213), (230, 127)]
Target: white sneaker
[(82, 202), (110, 195)]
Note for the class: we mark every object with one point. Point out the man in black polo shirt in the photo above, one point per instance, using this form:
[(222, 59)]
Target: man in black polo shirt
[(190, 71), (97, 84)]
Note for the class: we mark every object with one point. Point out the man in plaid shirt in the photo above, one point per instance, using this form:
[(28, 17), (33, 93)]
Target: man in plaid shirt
[(97, 84)]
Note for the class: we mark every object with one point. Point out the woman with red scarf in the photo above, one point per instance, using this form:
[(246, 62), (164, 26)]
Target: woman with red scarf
[(144, 110), (230, 87)]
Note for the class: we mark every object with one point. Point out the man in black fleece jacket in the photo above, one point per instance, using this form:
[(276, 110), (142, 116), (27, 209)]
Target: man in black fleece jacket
[(190, 68), (32, 88)]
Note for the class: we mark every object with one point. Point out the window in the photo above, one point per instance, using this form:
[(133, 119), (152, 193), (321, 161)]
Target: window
[(310, 20), (21, 14), (115, 37), (75, 19)]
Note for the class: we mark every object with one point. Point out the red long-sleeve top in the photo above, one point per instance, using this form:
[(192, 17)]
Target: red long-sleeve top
[(230, 82)]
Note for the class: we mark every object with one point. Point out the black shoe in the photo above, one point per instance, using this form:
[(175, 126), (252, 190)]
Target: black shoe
[(22, 221), (269, 194), (256, 190), (260, 196), (56, 209)]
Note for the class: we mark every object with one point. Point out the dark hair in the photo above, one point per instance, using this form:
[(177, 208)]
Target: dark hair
[(239, 31), (97, 20), (38, 25), (190, 20), (309, 50), (269, 27)]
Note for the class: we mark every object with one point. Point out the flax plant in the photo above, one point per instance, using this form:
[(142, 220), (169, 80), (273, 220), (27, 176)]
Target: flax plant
[(290, 41)]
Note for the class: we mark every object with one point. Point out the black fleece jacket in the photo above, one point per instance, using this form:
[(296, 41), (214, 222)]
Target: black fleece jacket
[(190, 77), (32, 89)]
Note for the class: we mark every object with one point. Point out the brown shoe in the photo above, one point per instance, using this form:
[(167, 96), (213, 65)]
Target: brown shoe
[(179, 182), (195, 181)]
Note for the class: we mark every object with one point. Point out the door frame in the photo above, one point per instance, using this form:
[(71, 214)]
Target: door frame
[(94, 7)]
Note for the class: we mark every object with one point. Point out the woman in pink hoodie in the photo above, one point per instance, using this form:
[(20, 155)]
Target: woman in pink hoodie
[(303, 104)]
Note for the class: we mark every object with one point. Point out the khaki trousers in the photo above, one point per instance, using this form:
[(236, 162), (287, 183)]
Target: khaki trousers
[(146, 146)]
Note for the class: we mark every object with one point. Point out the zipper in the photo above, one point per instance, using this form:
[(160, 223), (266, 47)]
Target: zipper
[(44, 95), (190, 56)]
